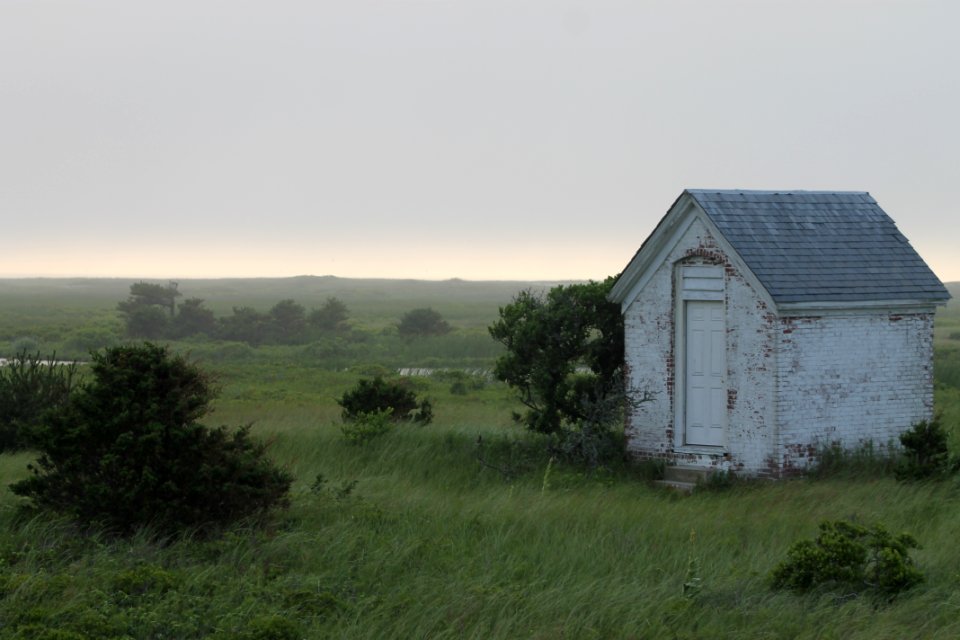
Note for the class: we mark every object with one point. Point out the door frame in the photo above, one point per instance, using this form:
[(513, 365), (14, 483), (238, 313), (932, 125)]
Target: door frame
[(699, 282)]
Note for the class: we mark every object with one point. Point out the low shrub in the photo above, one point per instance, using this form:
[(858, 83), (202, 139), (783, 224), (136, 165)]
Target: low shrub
[(378, 395), (589, 444), (422, 322), (461, 382), (852, 557), (925, 454), (596, 439), (126, 451), (367, 426)]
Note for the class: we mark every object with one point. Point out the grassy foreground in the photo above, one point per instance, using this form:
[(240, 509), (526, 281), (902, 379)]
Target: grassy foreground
[(410, 536)]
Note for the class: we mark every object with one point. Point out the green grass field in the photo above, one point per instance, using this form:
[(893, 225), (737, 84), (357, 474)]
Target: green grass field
[(411, 536)]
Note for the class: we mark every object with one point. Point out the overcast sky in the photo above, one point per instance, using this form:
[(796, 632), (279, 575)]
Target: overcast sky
[(445, 138)]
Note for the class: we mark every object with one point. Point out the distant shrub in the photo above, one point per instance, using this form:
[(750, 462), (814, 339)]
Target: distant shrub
[(925, 453), (147, 322), (25, 344), (286, 322), (422, 322), (29, 387), (378, 395), (849, 556), (126, 451), (374, 370), (87, 339), (461, 382), (332, 316)]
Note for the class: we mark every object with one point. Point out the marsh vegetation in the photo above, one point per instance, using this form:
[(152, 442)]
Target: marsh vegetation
[(466, 527)]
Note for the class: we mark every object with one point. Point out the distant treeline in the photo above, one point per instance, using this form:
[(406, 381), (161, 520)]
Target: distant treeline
[(152, 312)]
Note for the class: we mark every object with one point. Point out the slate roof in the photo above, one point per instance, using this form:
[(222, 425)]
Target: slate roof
[(821, 246)]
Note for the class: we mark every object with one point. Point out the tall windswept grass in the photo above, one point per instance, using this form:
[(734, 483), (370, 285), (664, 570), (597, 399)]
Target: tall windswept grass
[(411, 535)]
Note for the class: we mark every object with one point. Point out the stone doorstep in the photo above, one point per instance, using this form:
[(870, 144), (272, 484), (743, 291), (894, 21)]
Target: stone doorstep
[(684, 478), (686, 473)]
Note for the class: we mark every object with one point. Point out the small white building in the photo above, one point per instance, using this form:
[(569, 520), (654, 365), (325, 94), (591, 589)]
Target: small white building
[(768, 324)]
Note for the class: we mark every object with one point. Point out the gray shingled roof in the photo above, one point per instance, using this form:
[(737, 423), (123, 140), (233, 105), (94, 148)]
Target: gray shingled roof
[(816, 246)]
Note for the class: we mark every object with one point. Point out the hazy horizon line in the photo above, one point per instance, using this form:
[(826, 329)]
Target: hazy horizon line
[(302, 275)]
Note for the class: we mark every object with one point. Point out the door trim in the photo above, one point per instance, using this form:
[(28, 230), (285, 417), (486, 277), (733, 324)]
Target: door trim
[(693, 282)]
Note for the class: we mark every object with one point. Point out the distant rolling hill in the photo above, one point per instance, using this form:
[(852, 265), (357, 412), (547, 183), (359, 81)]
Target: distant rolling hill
[(463, 302)]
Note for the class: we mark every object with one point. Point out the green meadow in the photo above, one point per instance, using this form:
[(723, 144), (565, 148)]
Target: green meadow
[(464, 528)]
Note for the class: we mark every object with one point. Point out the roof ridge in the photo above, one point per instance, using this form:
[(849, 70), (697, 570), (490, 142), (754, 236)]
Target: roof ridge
[(777, 192)]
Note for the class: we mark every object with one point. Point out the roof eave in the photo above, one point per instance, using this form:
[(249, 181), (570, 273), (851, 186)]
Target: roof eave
[(834, 306), (654, 250), (633, 272)]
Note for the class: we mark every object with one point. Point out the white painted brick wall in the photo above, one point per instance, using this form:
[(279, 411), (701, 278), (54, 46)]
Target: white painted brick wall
[(850, 379), (751, 336)]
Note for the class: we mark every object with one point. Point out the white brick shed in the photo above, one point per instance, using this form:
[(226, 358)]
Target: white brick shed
[(767, 324)]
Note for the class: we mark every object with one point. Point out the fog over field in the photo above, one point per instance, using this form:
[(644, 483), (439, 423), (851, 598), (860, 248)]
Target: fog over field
[(432, 139)]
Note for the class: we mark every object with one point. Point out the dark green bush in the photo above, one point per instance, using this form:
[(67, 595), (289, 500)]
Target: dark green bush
[(422, 322), (849, 556), (377, 395), (126, 451), (925, 453), (595, 439), (564, 352), (29, 387)]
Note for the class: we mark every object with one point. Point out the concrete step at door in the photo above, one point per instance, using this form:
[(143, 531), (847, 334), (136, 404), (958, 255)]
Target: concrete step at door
[(684, 477), (686, 473)]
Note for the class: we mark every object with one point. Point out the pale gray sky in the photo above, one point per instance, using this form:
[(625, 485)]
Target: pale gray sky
[(443, 138)]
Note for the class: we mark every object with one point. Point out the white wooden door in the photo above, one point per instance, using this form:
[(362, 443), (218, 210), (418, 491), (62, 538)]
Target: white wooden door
[(706, 370)]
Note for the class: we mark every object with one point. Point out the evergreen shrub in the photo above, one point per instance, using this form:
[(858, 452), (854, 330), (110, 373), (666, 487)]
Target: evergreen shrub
[(925, 453), (852, 557), (127, 451), (29, 387), (378, 395), (422, 322)]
